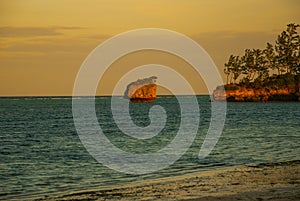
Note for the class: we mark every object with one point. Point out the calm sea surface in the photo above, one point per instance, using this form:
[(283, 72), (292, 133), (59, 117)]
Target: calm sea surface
[(41, 153)]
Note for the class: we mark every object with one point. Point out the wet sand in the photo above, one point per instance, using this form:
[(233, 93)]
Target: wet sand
[(279, 181)]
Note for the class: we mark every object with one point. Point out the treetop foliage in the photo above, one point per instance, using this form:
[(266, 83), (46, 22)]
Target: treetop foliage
[(259, 65)]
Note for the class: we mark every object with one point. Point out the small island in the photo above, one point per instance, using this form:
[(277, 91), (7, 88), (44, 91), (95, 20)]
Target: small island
[(271, 74), (142, 90)]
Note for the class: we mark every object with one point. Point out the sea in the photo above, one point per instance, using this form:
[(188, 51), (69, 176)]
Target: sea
[(41, 154)]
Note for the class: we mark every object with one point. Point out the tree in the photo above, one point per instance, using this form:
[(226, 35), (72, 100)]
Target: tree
[(233, 68), (227, 69), (249, 65), (256, 65), (261, 64), (269, 53), (287, 49)]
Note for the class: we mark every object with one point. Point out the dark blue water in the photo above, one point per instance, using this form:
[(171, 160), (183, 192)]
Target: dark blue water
[(41, 154)]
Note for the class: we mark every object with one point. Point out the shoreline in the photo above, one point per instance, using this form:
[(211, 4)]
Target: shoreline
[(241, 93), (276, 181)]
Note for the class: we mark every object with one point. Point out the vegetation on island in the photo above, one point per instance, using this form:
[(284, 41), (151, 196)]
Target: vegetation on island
[(273, 68)]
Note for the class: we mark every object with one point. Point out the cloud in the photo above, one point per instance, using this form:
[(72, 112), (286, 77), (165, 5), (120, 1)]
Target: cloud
[(40, 46), (236, 40), (220, 45), (56, 46), (8, 31), (99, 36)]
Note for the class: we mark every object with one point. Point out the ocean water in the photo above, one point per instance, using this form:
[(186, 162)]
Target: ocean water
[(41, 154)]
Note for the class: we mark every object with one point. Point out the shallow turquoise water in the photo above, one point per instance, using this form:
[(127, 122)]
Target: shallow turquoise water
[(41, 152)]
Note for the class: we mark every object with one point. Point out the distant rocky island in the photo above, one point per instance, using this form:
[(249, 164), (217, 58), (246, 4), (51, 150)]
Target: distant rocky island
[(142, 90), (271, 74)]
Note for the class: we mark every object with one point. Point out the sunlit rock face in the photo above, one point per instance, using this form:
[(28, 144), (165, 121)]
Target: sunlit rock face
[(236, 93), (142, 90)]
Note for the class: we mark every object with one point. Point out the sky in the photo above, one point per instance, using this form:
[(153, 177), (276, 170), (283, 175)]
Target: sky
[(44, 43)]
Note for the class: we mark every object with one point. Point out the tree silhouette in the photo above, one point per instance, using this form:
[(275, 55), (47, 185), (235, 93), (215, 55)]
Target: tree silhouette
[(233, 67), (258, 65), (287, 49), (269, 53)]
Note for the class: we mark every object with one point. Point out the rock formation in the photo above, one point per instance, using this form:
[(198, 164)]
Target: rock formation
[(142, 90), (235, 93)]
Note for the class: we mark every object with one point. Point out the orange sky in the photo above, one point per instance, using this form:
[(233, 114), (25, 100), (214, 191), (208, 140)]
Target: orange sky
[(43, 43)]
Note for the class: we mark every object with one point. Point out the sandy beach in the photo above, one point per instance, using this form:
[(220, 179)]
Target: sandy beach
[(279, 181)]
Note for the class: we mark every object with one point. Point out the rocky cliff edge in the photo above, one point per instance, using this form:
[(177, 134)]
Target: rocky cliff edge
[(235, 93), (142, 90)]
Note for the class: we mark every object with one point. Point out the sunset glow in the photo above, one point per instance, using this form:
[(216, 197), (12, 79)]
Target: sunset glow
[(43, 43)]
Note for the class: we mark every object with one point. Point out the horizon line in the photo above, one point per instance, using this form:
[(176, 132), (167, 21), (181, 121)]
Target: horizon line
[(67, 96)]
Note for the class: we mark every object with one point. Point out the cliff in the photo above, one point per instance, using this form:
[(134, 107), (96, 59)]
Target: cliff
[(142, 90), (276, 88), (244, 94)]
